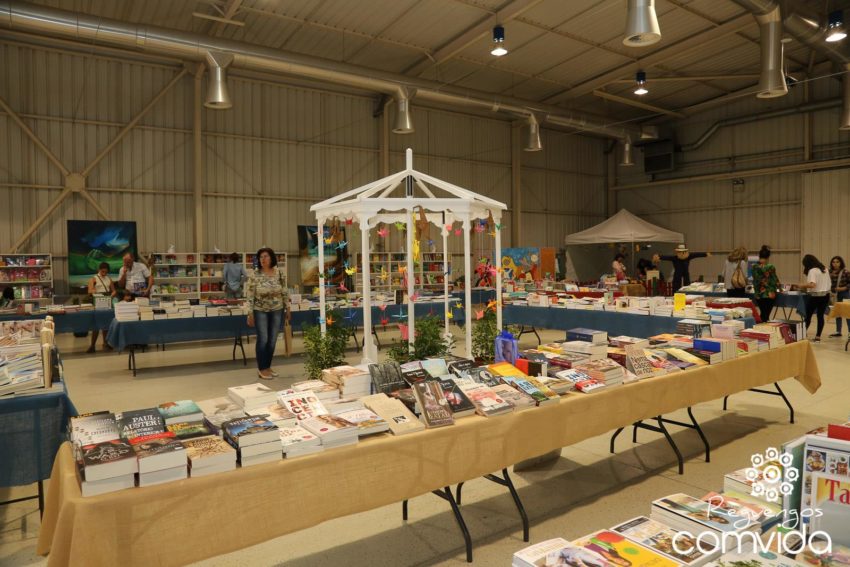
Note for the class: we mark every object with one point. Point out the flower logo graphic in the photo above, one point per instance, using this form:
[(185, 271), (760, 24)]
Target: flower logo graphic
[(772, 475)]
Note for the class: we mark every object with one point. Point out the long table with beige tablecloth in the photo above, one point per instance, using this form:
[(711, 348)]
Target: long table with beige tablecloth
[(196, 518)]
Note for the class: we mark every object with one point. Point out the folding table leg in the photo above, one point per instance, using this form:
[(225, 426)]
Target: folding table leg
[(506, 481), (41, 498), (614, 438), (701, 435), (446, 494), (672, 444)]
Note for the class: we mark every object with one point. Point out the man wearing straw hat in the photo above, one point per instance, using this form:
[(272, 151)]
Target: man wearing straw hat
[(681, 264)]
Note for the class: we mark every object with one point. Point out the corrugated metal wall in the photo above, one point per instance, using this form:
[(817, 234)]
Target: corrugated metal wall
[(826, 197), (265, 161), (767, 209)]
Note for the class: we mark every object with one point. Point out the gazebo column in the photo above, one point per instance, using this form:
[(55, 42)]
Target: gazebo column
[(445, 234), (467, 284), (497, 260), (370, 353), (320, 237), (411, 280)]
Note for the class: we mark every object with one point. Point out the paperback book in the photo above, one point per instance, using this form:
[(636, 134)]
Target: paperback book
[(137, 426), (435, 407)]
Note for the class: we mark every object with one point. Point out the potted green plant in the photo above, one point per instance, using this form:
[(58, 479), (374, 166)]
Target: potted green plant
[(324, 351), (429, 342), (484, 333)]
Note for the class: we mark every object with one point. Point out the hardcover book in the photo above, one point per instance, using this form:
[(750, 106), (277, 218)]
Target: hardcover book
[(435, 407), (108, 459), (159, 454), (302, 404), (520, 400), (93, 428), (137, 426), (183, 410), (487, 402), (209, 451), (459, 403), (611, 544), (435, 367), (659, 538), (189, 429), (218, 410), (247, 431)]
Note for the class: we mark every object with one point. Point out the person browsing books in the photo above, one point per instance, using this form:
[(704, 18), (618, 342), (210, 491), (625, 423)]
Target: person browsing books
[(840, 288), (818, 284), (101, 284), (735, 273), (618, 268), (8, 297), (681, 261), (765, 284), (266, 297), (234, 274), (135, 277)]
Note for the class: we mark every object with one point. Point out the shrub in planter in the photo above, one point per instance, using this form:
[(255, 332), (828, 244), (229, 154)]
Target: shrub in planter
[(428, 342), (324, 351)]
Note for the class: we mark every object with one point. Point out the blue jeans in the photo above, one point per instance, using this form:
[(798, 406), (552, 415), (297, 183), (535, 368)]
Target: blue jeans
[(842, 295), (268, 324)]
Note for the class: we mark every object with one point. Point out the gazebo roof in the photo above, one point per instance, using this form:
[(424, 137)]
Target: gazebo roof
[(388, 199)]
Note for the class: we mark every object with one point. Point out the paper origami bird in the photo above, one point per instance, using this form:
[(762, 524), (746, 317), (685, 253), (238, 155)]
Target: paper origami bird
[(479, 314), (414, 297), (402, 269), (383, 232), (492, 304), (458, 231), (342, 287), (384, 321), (399, 225), (351, 271), (329, 240), (493, 234), (384, 275), (498, 226), (479, 227), (449, 314), (341, 245), (330, 320), (349, 221), (416, 251), (331, 271), (449, 227), (382, 308)]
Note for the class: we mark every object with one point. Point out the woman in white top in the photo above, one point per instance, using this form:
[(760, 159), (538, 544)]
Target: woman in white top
[(618, 267), (101, 284), (818, 284)]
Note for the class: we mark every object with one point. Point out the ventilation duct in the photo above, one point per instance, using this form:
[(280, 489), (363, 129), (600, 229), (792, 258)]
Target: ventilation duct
[(628, 158), (772, 80), (218, 96), (845, 100), (403, 118), (91, 30), (533, 144), (641, 24)]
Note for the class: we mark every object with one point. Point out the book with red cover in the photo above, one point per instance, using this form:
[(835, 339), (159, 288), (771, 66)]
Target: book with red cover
[(836, 431)]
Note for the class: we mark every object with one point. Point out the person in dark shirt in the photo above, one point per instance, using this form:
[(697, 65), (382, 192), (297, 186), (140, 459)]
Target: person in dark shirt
[(681, 264)]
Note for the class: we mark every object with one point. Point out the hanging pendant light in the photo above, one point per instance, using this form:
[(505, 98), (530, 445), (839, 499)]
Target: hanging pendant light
[(642, 27), (835, 29), (499, 48), (640, 84)]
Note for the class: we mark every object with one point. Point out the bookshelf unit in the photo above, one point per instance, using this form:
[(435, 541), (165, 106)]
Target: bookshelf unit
[(428, 274), (197, 275), (175, 274), (30, 275)]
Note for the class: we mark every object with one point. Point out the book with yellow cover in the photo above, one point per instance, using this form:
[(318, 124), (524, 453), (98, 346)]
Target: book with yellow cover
[(505, 369), (619, 550)]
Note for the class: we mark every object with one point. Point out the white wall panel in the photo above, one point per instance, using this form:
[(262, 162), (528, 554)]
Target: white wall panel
[(826, 196)]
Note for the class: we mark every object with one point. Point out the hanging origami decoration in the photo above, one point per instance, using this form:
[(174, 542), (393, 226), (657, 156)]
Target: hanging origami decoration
[(416, 250), (458, 231), (329, 240), (382, 308), (479, 314), (348, 222), (351, 271), (479, 227), (449, 314), (423, 227), (341, 245), (399, 225), (414, 297), (330, 320), (384, 321), (384, 275), (449, 227), (331, 270), (342, 287), (383, 232), (336, 230)]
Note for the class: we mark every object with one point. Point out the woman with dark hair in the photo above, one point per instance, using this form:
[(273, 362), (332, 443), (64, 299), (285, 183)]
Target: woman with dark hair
[(817, 285), (234, 274), (8, 297), (840, 287), (735, 273), (765, 284), (101, 284), (618, 267), (266, 297)]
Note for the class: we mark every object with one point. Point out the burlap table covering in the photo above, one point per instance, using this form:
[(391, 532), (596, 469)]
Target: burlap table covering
[(840, 309), (185, 521)]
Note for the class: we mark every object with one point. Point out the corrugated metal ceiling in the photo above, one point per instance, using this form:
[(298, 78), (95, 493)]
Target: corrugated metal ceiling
[(555, 45)]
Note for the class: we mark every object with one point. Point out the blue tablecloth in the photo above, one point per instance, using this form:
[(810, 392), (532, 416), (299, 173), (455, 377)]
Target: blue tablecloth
[(31, 430), (79, 322), (797, 302), (612, 322), (478, 295), (164, 331)]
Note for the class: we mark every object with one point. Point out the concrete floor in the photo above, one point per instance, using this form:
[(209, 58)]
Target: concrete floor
[(584, 490)]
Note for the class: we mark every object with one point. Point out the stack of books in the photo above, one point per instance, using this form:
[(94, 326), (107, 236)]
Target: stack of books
[(351, 381), (251, 396), (588, 335), (333, 430), (297, 442), (22, 366), (518, 399), (126, 311), (255, 439), (320, 388), (606, 371), (694, 327), (218, 410), (539, 393), (161, 457), (593, 351), (367, 421), (276, 413), (727, 348), (105, 463), (302, 405), (688, 514), (209, 455), (487, 402)]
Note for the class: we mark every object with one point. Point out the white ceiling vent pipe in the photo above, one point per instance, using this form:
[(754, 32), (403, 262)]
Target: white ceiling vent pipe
[(218, 96), (93, 30), (628, 158), (772, 80), (533, 144), (642, 27), (403, 118), (845, 99)]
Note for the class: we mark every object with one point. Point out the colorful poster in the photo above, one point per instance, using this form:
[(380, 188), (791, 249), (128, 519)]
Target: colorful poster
[(521, 263), (93, 242), (336, 254)]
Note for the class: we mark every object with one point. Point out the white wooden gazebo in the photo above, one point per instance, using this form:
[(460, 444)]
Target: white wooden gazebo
[(443, 204)]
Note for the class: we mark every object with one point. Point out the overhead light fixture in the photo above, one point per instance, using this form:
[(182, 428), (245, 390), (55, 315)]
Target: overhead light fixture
[(640, 83), (499, 48), (218, 97), (835, 29), (642, 27), (533, 144)]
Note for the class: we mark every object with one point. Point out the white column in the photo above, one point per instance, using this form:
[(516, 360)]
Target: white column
[(411, 277), (445, 234), (497, 260), (320, 236), (370, 354), (467, 284)]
